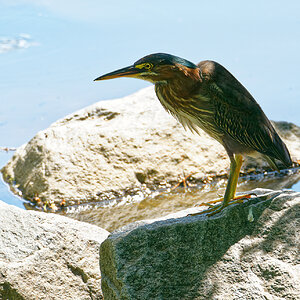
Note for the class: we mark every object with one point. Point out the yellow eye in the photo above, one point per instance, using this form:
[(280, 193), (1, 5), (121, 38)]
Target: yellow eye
[(146, 66)]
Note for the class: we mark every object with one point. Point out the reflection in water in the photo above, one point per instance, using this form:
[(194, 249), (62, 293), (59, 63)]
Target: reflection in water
[(160, 204)]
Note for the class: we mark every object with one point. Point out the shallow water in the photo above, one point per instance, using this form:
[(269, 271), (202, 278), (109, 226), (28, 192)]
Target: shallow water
[(116, 214), (119, 212), (5, 194)]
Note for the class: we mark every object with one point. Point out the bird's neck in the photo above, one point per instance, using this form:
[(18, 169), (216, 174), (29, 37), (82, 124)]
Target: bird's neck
[(174, 94), (183, 85)]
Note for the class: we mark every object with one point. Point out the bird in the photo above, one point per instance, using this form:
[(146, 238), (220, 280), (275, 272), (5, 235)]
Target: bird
[(208, 97)]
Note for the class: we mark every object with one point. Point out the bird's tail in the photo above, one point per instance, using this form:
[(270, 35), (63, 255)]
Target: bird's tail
[(280, 152)]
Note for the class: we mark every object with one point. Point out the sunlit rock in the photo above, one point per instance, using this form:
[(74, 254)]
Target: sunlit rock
[(46, 256), (115, 146), (249, 251)]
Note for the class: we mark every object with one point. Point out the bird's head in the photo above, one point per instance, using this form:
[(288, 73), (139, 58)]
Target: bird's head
[(158, 67)]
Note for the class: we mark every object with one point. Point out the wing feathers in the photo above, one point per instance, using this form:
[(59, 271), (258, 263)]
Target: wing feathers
[(239, 115)]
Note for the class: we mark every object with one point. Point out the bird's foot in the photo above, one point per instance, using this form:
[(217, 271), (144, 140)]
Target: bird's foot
[(183, 182), (214, 209), (211, 203)]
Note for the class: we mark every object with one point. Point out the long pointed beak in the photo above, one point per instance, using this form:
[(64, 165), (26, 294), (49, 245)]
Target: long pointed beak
[(130, 71)]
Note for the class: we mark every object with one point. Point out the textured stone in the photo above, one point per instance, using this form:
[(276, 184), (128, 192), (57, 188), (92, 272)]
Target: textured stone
[(249, 251), (46, 256), (115, 146)]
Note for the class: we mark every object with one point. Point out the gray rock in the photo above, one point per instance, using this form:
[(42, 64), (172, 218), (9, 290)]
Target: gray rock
[(249, 251), (46, 256), (115, 146)]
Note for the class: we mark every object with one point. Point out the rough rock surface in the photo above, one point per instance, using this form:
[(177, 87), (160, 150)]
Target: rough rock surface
[(250, 251), (117, 145), (46, 256)]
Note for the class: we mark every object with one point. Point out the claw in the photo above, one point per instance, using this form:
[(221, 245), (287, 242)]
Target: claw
[(214, 209), (206, 211), (210, 203)]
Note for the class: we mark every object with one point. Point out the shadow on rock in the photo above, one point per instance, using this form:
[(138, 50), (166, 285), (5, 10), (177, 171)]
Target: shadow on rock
[(186, 258)]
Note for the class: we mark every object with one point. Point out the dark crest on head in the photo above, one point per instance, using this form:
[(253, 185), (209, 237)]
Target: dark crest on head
[(165, 59)]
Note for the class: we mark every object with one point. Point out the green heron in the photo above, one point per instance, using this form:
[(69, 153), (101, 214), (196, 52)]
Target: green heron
[(209, 97)]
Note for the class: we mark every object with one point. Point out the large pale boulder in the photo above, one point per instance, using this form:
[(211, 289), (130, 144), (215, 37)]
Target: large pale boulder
[(249, 251), (47, 256), (116, 146)]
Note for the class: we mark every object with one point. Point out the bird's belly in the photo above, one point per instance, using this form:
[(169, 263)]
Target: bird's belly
[(192, 113), (234, 146), (205, 122)]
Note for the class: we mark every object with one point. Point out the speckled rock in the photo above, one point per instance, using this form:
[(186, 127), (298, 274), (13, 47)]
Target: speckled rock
[(118, 145), (46, 256), (249, 251)]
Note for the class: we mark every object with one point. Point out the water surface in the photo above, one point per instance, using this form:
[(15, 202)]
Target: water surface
[(115, 214)]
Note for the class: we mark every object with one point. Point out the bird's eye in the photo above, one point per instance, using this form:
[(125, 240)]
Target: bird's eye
[(146, 66)]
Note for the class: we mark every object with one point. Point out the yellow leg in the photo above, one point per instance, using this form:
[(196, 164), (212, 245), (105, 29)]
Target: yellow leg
[(235, 167)]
